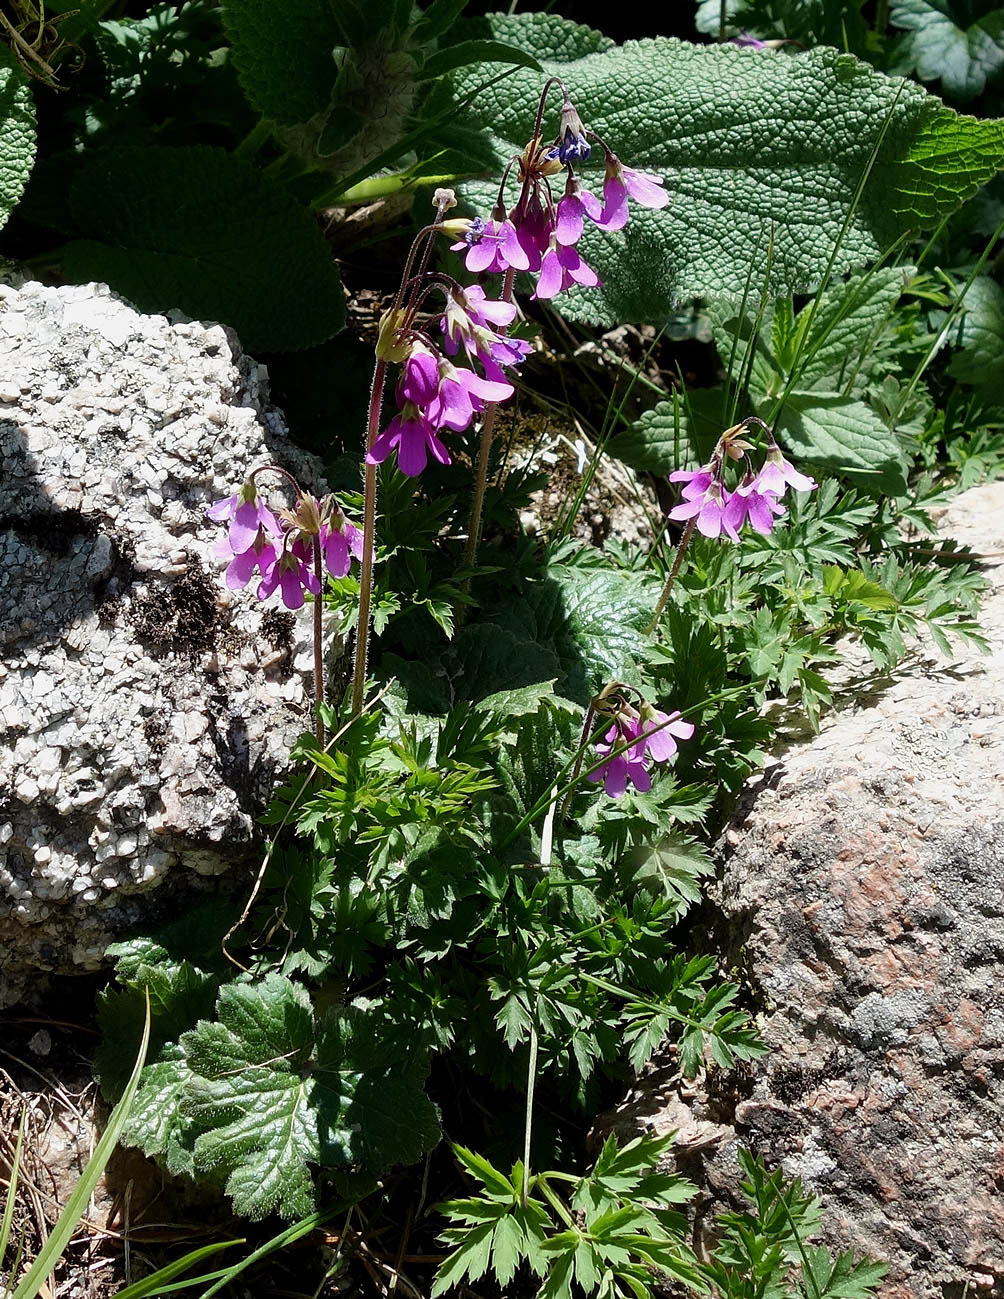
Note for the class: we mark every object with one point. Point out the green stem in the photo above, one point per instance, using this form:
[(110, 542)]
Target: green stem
[(681, 550), (369, 540), (554, 1200), (531, 1079), (253, 141), (481, 481), (318, 647)]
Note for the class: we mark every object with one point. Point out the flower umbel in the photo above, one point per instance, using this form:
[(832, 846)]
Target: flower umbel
[(716, 509), (643, 734)]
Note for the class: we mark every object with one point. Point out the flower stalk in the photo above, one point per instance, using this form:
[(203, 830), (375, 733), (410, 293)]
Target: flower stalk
[(369, 540)]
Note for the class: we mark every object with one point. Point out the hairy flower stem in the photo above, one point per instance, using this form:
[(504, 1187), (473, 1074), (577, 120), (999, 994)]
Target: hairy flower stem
[(481, 481), (318, 647), (369, 534), (681, 550)]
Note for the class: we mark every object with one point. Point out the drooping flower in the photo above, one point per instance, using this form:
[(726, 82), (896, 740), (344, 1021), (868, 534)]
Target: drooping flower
[(708, 509), (560, 268), (412, 435), (571, 145), (620, 182), (420, 378), (247, 513), (259, 556), (778, 473), (661, 745), (750, 501), (293, 576), (617, 772), (340, 541), (632, 727)]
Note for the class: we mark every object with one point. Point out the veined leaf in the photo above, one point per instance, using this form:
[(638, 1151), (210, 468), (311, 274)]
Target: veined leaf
[(272, 1092), (755, 151), (944, 45), (17, 133)]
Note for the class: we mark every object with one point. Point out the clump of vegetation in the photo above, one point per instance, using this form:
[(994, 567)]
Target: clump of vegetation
[(471, 923)]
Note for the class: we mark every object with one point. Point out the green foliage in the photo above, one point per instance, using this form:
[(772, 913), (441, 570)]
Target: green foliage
[(760, 1250), (617, 1225), (270, 275), (274, 1088), (17, 133), (959, 42), (791, 137)]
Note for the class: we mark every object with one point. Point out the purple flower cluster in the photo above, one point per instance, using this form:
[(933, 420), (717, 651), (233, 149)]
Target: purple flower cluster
[(540, 235), (280, 547), (435, 395), (716, 510), (638, 728)]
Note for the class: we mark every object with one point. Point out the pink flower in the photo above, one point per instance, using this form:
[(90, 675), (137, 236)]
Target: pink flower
[(493, 248), (662, 745), (413, 436), (292, 575), (617, 772), (698, 481), (560, 268), (467, 322), (777, 473), (339, 541), (622, 181), (420, 379), (629, 767), (572, 207), (260, 555), (709, 508), (247, 513), (749, 501)]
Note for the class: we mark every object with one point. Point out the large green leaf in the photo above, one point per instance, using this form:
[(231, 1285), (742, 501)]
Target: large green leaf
[(272, 1092), (17, 133), (679, 433), (284, 55), (844, 436), (199, 229), (762, 156), (959, 42)]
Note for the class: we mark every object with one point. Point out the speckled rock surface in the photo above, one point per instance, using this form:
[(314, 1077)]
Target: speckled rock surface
[(865, 876), (144, 710)]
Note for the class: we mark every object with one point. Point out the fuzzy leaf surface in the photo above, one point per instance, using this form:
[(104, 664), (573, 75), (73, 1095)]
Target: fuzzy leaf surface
[(272, 1092), (284, 55), (979, 336), (17, 133), (206, 232), (843, 436), (748, 145)]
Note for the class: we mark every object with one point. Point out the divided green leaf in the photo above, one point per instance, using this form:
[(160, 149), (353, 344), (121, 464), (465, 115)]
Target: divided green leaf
[(959, 43)]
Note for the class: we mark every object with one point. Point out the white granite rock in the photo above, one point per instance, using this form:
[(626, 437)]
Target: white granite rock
[(140, 735)]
